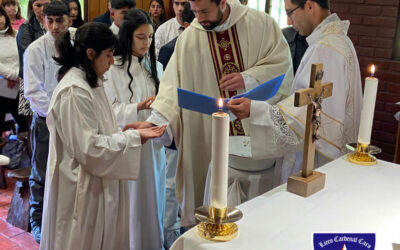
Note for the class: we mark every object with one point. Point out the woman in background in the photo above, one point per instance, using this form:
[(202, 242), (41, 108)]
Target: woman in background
[(75, 13), (157, 13), (14, 12), (131, 87), (9, 79)]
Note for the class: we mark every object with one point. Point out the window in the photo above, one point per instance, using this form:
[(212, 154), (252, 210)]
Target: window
[(276, 8), (24, 8), (277, 11), (257, 4)]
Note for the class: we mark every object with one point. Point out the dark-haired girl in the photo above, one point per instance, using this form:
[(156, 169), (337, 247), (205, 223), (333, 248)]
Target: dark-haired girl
[(9, 80), (131, 87), (157, 12), (86, 202), (75, 13)]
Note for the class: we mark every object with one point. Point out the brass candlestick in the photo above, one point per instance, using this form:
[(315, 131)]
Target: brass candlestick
[(217, 224), (362, 154)]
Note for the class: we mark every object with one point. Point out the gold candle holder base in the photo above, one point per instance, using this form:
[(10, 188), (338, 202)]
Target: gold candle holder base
[(217, 224), (362, 154)]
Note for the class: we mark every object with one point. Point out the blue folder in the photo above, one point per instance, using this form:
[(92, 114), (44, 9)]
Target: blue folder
[(208, 105)]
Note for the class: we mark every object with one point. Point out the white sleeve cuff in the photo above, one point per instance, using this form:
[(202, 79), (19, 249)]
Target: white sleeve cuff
[(158, 119), (249, 82)]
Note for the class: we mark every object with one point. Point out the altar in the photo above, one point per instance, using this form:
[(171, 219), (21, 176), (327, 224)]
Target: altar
[(356, 199)]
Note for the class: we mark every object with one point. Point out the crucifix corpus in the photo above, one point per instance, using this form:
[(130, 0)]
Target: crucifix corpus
[(307, 181)]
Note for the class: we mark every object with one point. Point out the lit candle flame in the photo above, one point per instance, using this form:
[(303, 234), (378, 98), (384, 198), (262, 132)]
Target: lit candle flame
[(220, 104), (372, 70)]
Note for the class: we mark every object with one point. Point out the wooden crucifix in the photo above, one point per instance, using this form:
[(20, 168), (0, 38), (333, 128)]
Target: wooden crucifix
[(308, 182)]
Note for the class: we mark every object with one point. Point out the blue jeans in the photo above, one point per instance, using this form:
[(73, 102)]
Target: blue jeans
[(40, 152)]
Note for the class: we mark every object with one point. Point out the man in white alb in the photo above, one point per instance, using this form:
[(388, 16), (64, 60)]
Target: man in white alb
[(282, 125)]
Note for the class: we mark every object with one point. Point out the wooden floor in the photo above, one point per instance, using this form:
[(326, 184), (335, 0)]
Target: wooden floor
[(12, 237)]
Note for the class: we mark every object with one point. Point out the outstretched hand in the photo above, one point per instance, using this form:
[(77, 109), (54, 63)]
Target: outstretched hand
[(146, 103), (138, 125), (150, 133), (240, 107)]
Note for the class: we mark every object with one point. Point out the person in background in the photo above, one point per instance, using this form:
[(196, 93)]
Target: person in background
[(9, 79), (167, 50), (14, 12), (171, 28), (90, 160), (75, 13), (157, 13), (104, 18), (118, 11), (27, 33), (40, 80), (131, 87), (297, 44)]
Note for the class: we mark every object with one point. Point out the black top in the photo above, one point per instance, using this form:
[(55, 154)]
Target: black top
[(104, 18), (298, 46), (166, 52), (27, 33)]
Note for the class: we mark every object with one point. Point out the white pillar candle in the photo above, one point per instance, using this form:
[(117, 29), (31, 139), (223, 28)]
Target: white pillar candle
[(219, 160), (368, 108)]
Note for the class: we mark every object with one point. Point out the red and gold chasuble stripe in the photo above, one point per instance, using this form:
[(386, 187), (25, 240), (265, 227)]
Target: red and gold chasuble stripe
[(227, 58)]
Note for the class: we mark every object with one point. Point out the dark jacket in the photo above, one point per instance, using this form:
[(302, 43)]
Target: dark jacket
[(297, 44), (27, 33), (166, 52), (104, 18)]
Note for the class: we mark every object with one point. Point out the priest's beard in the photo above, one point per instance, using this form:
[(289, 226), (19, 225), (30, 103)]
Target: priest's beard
[(210, 25)]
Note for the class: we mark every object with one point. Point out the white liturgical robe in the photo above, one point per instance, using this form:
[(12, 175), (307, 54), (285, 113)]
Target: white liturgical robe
[(86, 203), (283, 129), (265, 55), (147, 193)]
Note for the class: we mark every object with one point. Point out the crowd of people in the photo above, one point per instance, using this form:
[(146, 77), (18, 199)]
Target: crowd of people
[(115, 163)]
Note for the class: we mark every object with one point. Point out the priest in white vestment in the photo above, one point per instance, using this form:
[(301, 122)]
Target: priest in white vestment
[(228, 47), (282, 129)]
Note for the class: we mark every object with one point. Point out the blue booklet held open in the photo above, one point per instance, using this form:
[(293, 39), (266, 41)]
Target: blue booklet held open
[(208, 105)]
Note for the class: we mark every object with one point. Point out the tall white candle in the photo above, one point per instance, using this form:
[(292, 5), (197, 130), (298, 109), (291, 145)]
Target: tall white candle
[(219, 159), (368, 108)]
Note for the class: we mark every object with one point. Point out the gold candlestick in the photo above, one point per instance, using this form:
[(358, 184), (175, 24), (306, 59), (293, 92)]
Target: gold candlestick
[(362, 156), (218, 224)]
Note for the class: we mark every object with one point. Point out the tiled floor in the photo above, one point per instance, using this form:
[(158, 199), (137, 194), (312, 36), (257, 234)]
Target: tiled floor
[(12, 238)]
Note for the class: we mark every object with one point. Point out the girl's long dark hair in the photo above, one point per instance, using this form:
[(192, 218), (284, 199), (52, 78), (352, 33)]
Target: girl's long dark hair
[(162, 17), (96, 36), (132, 20), (78, 22), (8, 25)]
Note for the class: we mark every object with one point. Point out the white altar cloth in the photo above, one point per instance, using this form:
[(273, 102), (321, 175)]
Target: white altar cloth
[(356, 199)]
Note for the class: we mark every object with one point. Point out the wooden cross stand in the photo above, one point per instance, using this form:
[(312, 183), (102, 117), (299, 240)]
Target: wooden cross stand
[(307, 181)]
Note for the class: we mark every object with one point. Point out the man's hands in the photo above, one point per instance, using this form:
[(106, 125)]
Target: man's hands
[(231, 82), (150, 133), (240, 107), (146, 103)]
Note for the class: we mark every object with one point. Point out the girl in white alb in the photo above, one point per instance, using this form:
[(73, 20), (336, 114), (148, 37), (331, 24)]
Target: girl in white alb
[(131, 86)]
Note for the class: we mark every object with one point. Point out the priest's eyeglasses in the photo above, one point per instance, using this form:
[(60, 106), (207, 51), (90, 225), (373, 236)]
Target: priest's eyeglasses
[(290, 12)]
